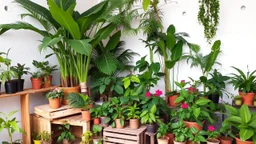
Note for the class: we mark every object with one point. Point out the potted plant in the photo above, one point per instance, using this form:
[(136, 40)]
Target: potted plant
[(54, 98), (10, 125), (104, 114), (181, 132), (170, 127), (149, 117), (196, 137), (133, 116), (87, 137), (117, 112), (238, 100), (20, 71), (36, 138), (245, 84), (242, 123), (226, 135), (95, 113), (77, 100), (66, 136), (97, 129), (212, 134), (46, 137), (36, 80), (161, 134)]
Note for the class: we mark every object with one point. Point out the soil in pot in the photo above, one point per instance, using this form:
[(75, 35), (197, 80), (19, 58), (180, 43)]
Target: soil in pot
[(194, 124), (163, 140), (20, 85), (247, 98), (134, 123), (239, 141), (37, 141), (225, 140), (68, 90), (47, 81), (11, 86), (54, 103), (179, 142), (118, 123), (151, 128), (96, 121), (171, 137), (214, 98), (102, 122), (212, 141), (86, 115), (36, 83), (172, 100)]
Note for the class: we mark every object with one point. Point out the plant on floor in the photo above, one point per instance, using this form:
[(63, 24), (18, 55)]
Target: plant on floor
[(97, 129), (162, 131), (243, 123), (10, 125), (87, 137), (46, 137), (208, 16), (181, 132), (212, 134), (117, 112), (66, 134)]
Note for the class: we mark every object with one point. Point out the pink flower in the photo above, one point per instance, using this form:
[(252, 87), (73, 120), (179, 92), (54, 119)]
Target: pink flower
[(182, 81), (184, 106), (211, 128), (148, 94), (191, 90), (158, 93)]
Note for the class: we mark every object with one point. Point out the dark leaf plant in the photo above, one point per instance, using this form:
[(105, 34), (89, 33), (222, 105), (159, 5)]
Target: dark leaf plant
[(20, 69)]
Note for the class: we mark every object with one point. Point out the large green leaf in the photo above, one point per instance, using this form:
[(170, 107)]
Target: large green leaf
[(170, 64), (106, 63), (196, 112), (211, 59), (113, 41), (246, 134), (232, 110), (65, 19), (177, 51), (245, 113), (48, 41), (170, 41), (104, 33), (81, 46), (171, 29), (146, 4), (202, 101)]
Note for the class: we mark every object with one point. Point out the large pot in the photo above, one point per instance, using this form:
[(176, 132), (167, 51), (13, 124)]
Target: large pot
[(212, 141), (20, 85), (86, 115), (48, 81), (193, 124), (102, 122), (36, 83), (134, 123), (10, 86), (171, 137), (163, 140), (54, 103), (225, 140), (151, 128), (118, 124), (179, 142), (68, 90), (239, 141), (172, 100), (96, 121), (214, 98), (247, 98)]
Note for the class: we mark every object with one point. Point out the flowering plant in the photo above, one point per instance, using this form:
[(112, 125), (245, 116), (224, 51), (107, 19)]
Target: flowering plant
[(56, 93), (212, 132)]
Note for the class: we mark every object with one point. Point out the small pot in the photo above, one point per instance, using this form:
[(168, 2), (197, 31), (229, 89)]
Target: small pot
[(179, 142), (214, 98), (172, 100), (36, 83), (134, 123), (20, 85), (225, 140), (118, 124), (239, 141), (102, 122), (193, 124), (37, 141), (10, 86), (171, 137), (54, 103), (65, 141), (86, 115), (163, 140), (68, 90), (151, 128), (47, 81), (212, 141), (96, 121), (247, 98), (238, 102)]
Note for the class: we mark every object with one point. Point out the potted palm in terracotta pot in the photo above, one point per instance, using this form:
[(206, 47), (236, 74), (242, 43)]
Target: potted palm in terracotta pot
[(149, 118), (161, 134), (77, 100), (242, 122), (20, 70), (245, 84), (133, 116), (95, 112), (66, 136), (54, 98), (213, 134), (181, 133)]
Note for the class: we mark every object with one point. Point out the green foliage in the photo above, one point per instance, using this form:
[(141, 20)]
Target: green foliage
[(87, 137), (117, 111), (181, 132), (149, 116), (162, 130), (56, 93), (36, 74), (197, 136), (66, 133), (20, 70), (97, 129), (133, 112), (45, 67), (244, 82), (46, 136), (95, 111), (77, 100)]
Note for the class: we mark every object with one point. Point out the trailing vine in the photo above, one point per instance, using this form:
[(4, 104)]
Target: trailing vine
[(208, 16)]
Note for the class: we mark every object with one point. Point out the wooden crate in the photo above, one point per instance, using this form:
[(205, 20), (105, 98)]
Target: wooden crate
[(48, 113), (123, 136)]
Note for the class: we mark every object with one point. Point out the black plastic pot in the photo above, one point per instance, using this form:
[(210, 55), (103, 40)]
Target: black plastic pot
[(20, 85), (151, 128), (11, 86), (214, 98)]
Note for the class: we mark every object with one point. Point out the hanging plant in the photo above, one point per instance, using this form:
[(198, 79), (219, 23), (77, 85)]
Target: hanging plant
[(208, 16)]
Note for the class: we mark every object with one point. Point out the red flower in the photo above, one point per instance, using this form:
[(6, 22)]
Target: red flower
[(211, 128), (182, 81), (158, 93), (191, 90), (184, 106), (148, 94)]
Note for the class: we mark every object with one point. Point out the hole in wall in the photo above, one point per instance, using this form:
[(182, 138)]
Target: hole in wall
[(184, 13), (6, 8), (243, 7)]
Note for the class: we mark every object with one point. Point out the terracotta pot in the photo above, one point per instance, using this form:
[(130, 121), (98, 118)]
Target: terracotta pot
[(134, 123), (225, 140), (37, 141), (68, 90), (212, 141), (47, 81), (163, 140), (151, 128), (118, 124), (54, 103), (194, 124), (36, 83), (247, 98), (171, 137), (238, 141), (172, 99), (102, 119), (65, 141), (238, 102), (96, 121), (86, 115), (179, 142)]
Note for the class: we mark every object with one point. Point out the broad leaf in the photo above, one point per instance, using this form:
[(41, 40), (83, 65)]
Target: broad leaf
[(102, 88), (170, 41), (196, 112), (48, 41), (81, 46), (171, 29), (119, 89), (177, 51), (106, 63), (211, 59), (202, 101), (232, 110), (245, 113), (113, 41), (246, 134)]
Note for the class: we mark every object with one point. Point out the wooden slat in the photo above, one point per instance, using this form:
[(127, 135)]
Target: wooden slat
[(25, 116), (122, 136), (126, 130), (122, 141)]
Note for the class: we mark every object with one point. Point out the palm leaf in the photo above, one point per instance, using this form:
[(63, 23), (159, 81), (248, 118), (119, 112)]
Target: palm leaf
[(106, 63), (75, 100)]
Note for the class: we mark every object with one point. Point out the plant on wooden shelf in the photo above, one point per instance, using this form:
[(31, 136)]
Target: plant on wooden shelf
[(95, 113), (133, 115), (20, 70), (36, 80), (245, 84), (54, 98), (10, 125), (117, 111), (87, 137), (162, 134), (238, 100), (46, 137), (149, 117), (242, 122), (213, 135), (97, 138), (66, 136), (77, 100), (181, 132)]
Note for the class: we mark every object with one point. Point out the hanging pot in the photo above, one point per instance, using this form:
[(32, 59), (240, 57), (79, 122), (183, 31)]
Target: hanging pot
[(172, 100), (194, 124), (102, 122), (134, 123), (96, 121), (68, 90), (36, 83), (11, 86), (225, 140), (171, 137), (212, 141), (151, 128), (54, 103), (118, 124), (20, 85), (47, 81), (86, 115), (214, 98), (247, 98), (239, 141)]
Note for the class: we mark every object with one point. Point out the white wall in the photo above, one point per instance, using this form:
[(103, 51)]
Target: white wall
[(236, 31)]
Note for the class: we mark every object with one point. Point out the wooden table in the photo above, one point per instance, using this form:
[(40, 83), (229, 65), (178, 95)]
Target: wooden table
[(25, 109)]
